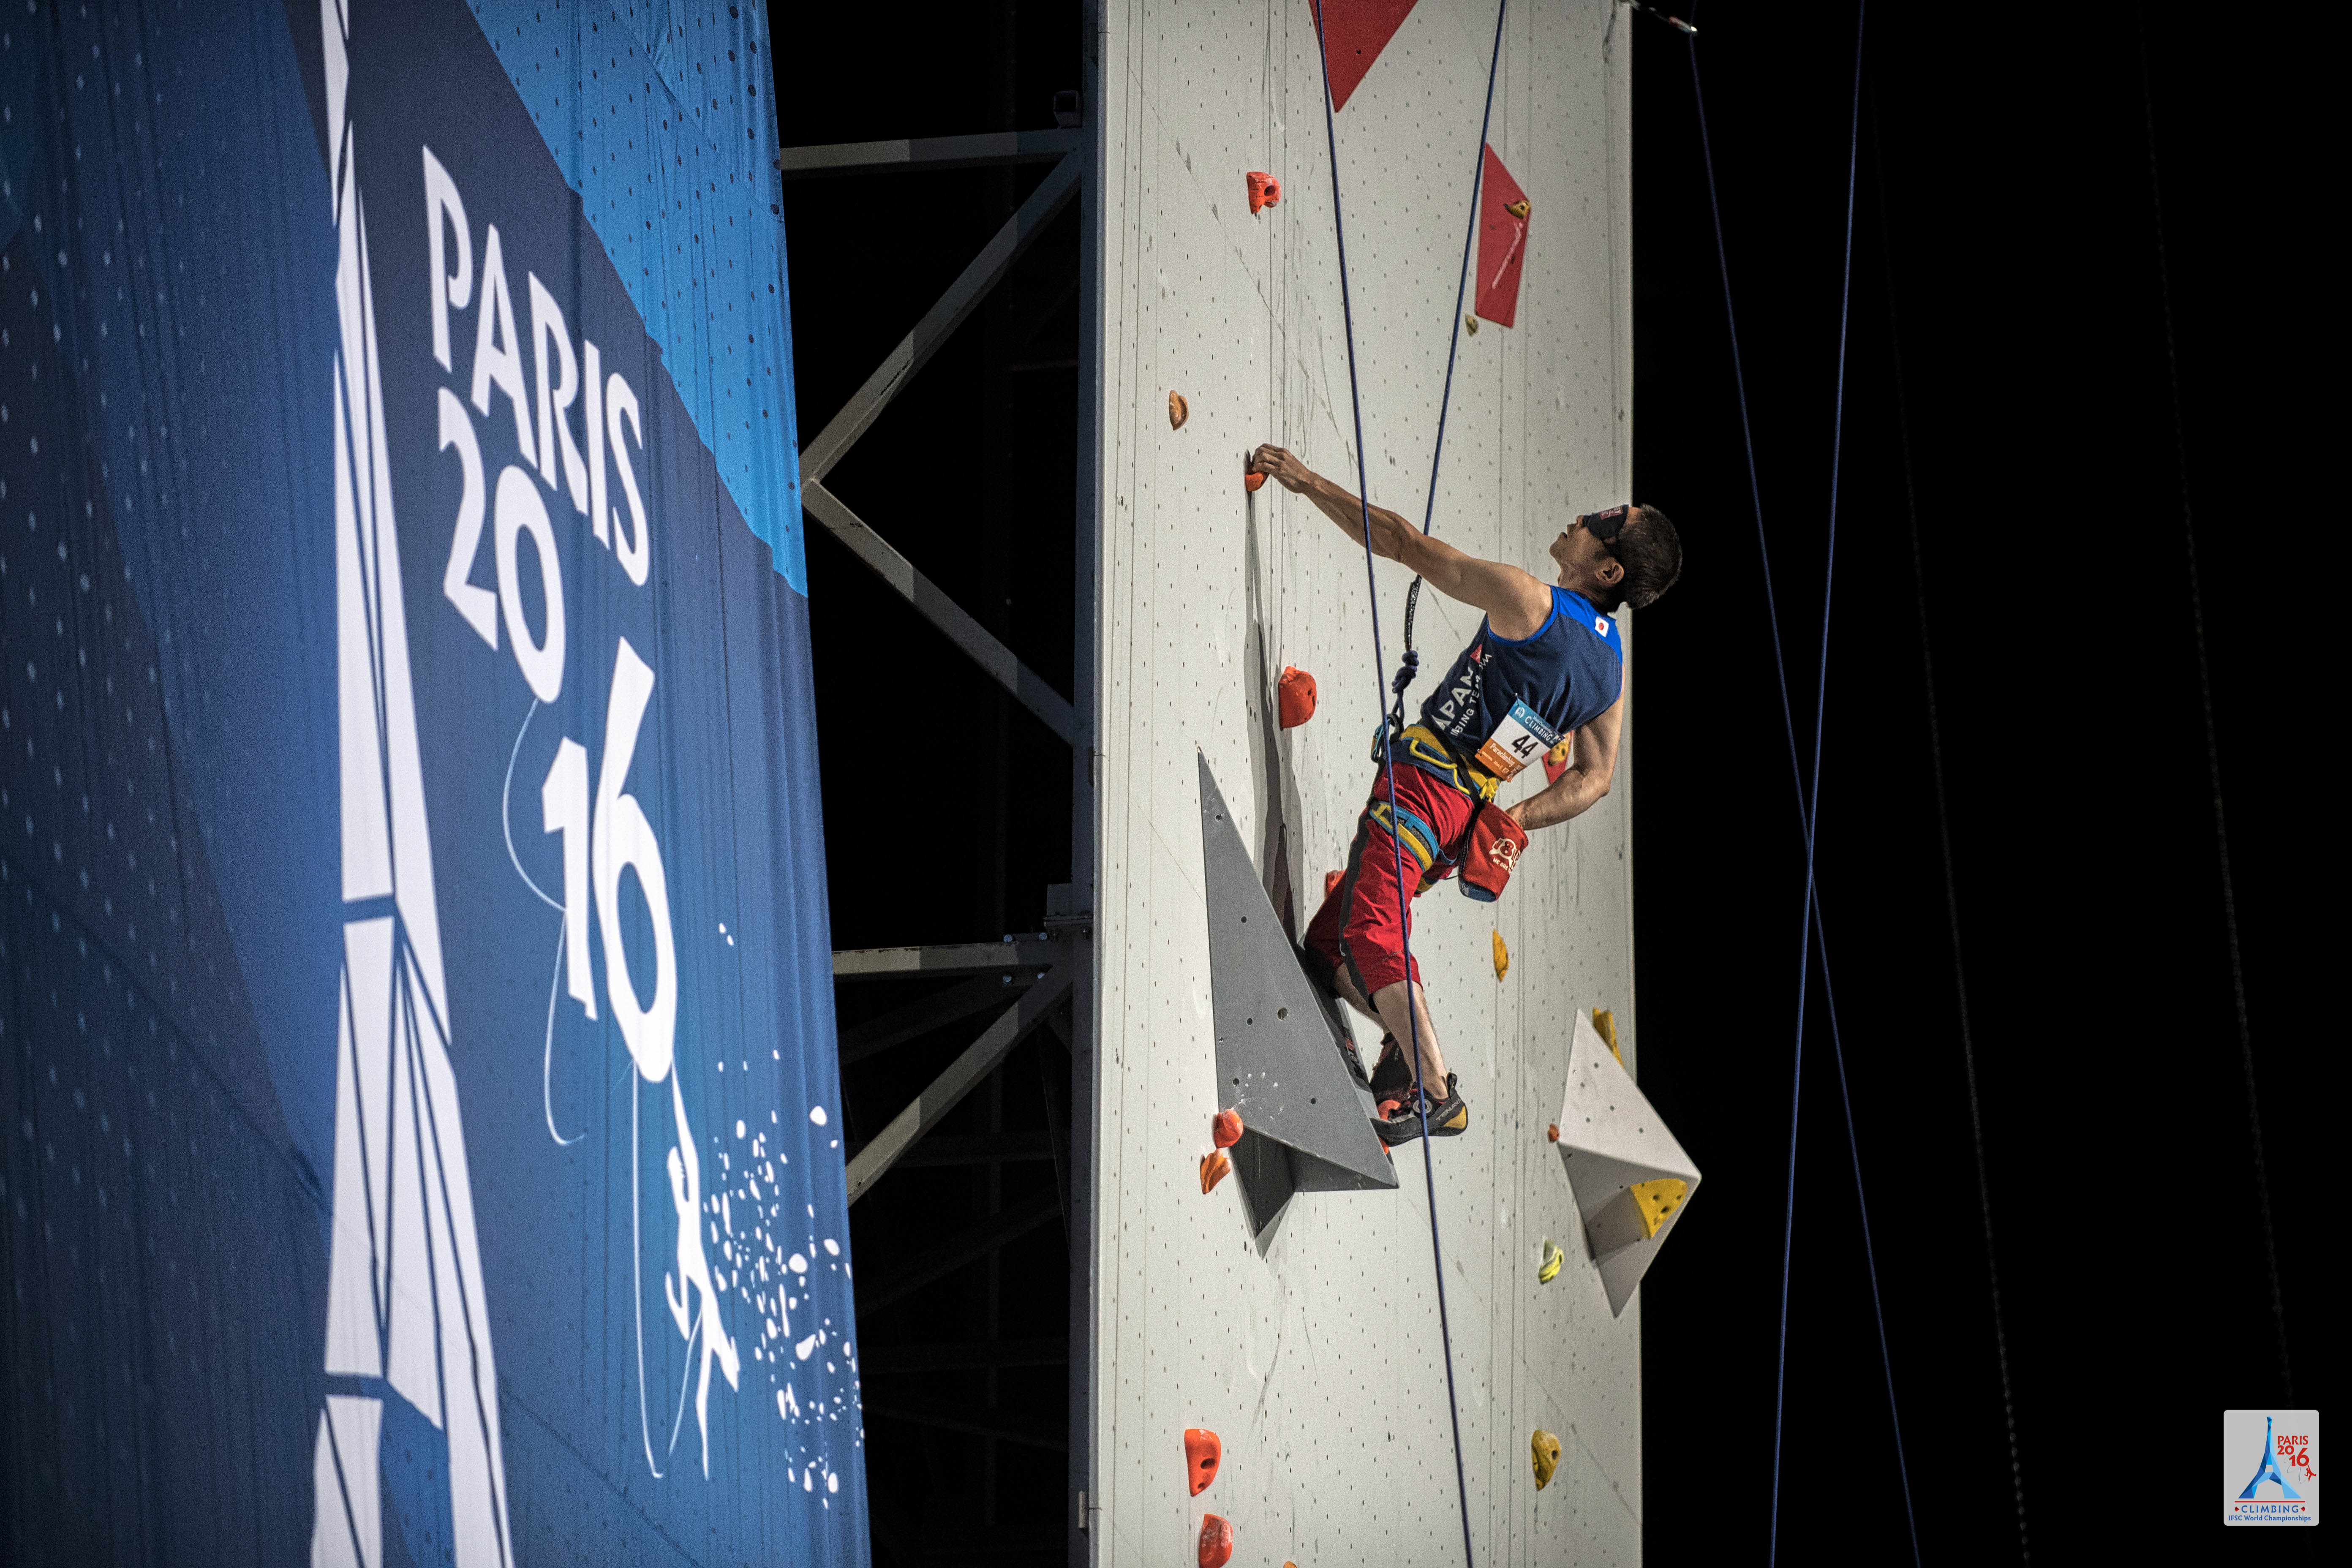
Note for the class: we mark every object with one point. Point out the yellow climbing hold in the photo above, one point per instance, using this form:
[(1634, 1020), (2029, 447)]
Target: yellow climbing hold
[(1546, 1448), (1658, 1199), (1502, 957), (1552, 1258), (1604, 1024)]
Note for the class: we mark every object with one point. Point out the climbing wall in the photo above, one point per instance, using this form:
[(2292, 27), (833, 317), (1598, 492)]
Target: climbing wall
[(1315, 1355)]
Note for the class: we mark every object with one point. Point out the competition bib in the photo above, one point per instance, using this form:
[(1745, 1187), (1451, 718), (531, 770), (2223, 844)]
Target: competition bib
[(1518, 739)]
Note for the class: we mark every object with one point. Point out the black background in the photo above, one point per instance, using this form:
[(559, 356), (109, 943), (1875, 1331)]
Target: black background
[(2006, 247), (2005, 243)]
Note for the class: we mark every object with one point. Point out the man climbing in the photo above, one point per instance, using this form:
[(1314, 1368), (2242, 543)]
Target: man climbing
[(1546, 665)]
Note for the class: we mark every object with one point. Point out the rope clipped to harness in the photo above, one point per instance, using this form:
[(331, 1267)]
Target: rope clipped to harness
[(1404, 676), (1409, 665)]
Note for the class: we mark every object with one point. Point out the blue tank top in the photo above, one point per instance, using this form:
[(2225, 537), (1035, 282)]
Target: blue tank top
[(1523, 696)]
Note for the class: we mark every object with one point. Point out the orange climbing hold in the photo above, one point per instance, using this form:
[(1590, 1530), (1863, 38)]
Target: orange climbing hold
[(1552, 1133), (1331, 880), (1178, 411), (1226, 1129), (1202, 1453), (1215, 1168), (1265, 191), (1297, 697), (1251, 481), (1216, 1543)]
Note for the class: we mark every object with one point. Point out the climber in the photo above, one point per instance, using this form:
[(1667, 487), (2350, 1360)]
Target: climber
[(1545, 664)]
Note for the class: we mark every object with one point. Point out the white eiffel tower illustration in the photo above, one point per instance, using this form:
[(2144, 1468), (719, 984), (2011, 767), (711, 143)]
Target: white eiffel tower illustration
[(404, 1305)]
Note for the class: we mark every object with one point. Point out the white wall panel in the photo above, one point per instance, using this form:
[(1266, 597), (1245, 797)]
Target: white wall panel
[(1316, 1359)]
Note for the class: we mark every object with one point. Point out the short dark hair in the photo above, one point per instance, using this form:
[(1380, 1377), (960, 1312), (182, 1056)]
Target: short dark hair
[(1652, 554)]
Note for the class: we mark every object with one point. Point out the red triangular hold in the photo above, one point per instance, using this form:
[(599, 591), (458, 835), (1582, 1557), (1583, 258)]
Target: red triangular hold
[(1502, 242), (1360, 29)]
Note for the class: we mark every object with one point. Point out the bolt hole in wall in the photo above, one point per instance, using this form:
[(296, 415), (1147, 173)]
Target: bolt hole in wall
[(946, 803)]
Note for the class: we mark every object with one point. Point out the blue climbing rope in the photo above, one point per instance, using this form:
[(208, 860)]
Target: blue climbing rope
[(1410, 664), (1808, 799), (1380, 663)]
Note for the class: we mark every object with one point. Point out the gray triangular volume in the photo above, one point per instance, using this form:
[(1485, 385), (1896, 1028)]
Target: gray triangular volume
[(1279, 1058)]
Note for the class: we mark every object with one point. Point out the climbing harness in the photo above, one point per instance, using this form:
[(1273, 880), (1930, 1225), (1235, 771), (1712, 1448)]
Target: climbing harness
[(1809, 800), (1388, 750)]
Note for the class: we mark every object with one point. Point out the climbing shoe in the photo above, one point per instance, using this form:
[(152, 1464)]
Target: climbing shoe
[(1390, 1077), (1448, 1118)]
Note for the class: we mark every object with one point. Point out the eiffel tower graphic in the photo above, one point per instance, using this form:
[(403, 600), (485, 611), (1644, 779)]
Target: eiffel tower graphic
[(406, 1315), (2268, 1471)]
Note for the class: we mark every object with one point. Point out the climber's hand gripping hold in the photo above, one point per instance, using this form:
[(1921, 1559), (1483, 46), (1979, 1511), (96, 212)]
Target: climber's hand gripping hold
[(1546, 662)]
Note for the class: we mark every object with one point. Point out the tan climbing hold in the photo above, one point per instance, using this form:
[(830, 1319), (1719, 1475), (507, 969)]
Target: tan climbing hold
[(1552, 1258), (1635, 1214), (1502, 957), (1203, 1454), (1216, 1543), (1215, 1168), (1604, 1024), (1225, 1127), (1470, 325), (1546, 1449), (1178, 411), (1518, 209)]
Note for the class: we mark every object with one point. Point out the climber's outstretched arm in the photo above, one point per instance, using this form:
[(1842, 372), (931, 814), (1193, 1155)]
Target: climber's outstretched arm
[(1589, 770), (1516, 603)]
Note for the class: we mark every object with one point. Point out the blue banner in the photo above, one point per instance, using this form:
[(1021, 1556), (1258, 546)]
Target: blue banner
[(416, 1046)]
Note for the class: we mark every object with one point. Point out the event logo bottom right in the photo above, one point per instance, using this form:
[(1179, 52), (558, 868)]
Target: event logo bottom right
[(2270, 1466)]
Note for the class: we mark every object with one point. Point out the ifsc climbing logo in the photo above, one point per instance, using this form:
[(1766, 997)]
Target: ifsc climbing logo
[(2270, 1466)]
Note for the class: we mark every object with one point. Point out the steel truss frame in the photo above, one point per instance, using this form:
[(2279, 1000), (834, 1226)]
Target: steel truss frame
[(1051, 979)]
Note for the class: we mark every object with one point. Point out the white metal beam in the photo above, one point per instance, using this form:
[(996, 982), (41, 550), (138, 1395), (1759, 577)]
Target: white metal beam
[(945, 1091)]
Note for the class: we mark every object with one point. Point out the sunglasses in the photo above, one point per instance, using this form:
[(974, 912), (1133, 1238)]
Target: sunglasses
[(1605, 526)]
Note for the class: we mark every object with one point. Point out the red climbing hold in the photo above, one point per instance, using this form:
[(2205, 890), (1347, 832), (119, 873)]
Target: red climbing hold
[(1202, 1452), (1552, 1133), (1502, 242), (1360, 29), (1251, 481), (1331, 880), (1216, 1543), (1265, 191), (1227, 1128), (1215, 1168), (1297, 697)]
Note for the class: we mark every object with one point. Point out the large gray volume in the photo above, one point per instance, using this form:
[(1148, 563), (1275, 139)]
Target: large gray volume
[(1307, 1115)]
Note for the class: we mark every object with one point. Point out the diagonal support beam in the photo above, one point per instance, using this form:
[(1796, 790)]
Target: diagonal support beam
[(963, 296), (932, 603), (942, 1094), (901, 1025), (985, 149)]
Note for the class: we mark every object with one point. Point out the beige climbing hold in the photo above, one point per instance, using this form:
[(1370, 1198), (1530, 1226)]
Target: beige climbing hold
[(1502, 957), (1552, 1258), (1178, 411), (1470, 325), (1546, 1449)]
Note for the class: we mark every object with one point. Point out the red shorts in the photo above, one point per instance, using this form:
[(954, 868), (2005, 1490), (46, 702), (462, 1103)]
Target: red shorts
[(1359, 928)]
